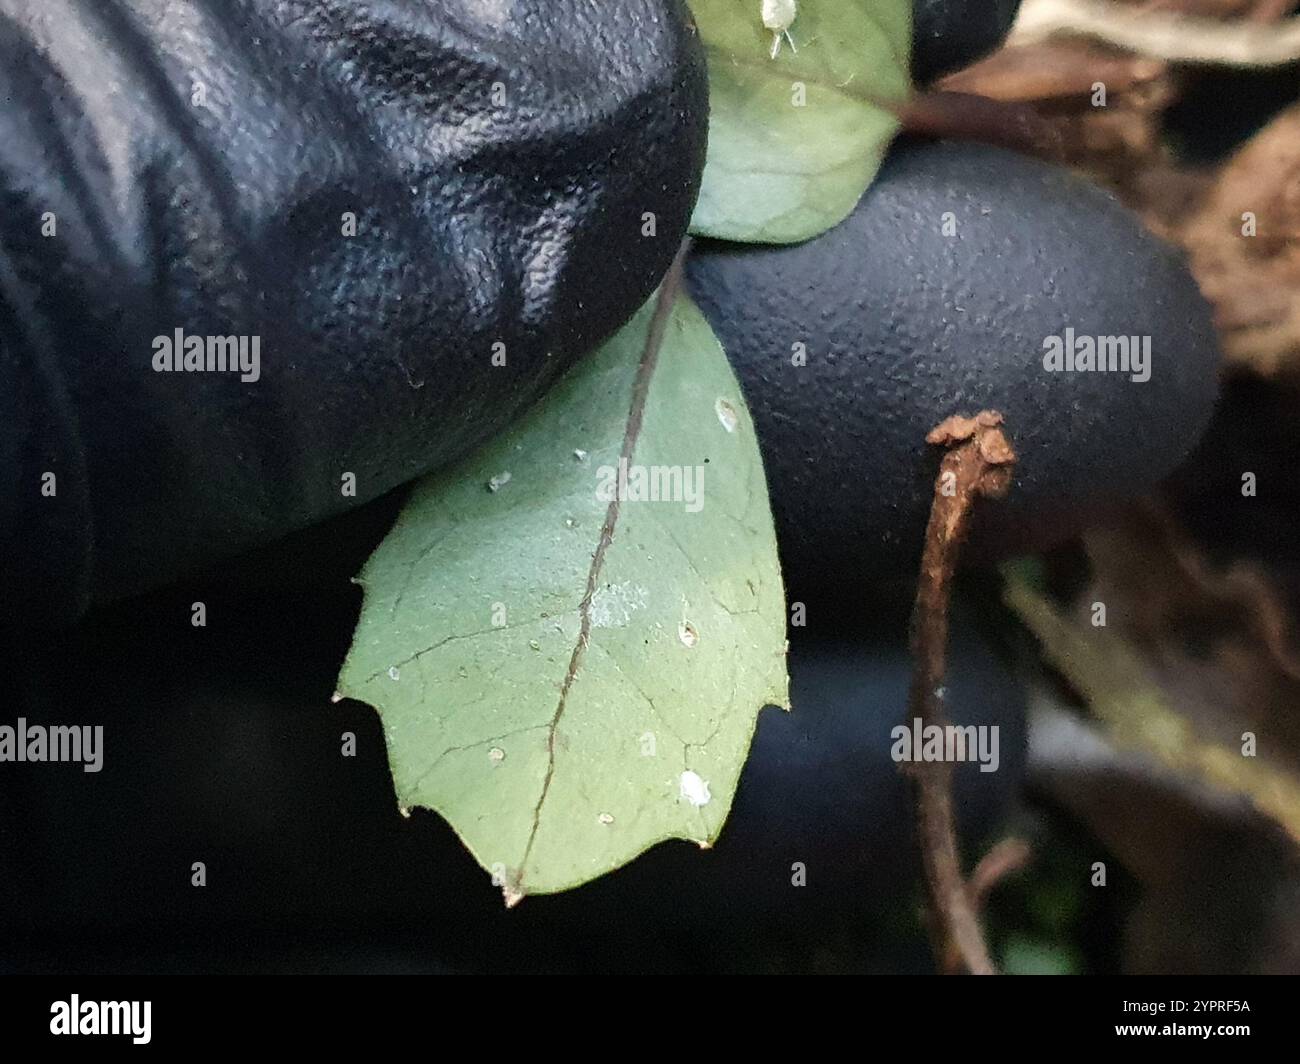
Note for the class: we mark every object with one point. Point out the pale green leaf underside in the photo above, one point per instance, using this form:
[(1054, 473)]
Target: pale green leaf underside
[(469, 709), (780, 173)]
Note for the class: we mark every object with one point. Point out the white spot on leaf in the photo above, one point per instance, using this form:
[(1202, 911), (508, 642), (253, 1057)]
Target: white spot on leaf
[(612, 606), (694, 789), (726, 414)]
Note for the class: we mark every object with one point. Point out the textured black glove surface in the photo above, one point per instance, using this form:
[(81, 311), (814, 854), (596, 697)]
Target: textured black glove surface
[(371, 196)]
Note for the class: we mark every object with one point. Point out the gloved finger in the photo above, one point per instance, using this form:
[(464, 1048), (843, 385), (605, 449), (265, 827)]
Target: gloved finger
[(261, 261)]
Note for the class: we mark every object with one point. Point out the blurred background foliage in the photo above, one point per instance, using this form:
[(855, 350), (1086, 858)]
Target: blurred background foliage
[(1137, 727)]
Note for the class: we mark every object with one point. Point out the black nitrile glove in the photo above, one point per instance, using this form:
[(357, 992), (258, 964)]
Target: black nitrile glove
[(948, 35), (375, 200)]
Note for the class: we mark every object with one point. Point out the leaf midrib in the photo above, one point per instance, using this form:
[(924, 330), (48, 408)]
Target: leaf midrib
[(646, 367)]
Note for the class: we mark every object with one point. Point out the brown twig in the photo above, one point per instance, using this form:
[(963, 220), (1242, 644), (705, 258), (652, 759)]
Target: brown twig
[(978, 463), (967, 116), (1005, 859)]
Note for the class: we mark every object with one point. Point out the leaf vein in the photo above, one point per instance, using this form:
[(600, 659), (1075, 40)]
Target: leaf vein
[(632, 431)]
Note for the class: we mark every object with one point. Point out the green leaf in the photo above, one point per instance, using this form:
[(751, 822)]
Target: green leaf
[(569, 680), (780, 169), (1027, 956)]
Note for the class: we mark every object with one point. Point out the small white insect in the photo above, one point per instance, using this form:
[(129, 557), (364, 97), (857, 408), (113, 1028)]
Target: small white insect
[(778, 16)]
